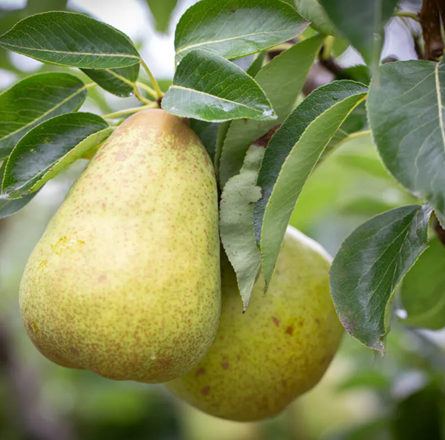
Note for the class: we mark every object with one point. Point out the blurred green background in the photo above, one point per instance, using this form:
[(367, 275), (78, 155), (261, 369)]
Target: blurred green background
[(362, 396)]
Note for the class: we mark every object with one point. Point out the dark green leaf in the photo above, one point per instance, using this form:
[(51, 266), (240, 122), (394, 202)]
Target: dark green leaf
[(207, 132), (34, 100), (423, 289), (406, 116), (48, 148), (370, 264), (292, 154), (312, 11), (362, 22), (257, 64), (282, 80), (236, 28), (236, 224), (71, 39), (119, 82), (210, 88), (162, 10)]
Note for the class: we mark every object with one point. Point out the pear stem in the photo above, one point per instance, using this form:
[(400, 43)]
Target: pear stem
[(159, 93), (131, 110), (147, 88), (408, 14)]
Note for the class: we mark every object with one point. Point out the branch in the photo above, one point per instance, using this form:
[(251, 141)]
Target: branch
[(430, 21)]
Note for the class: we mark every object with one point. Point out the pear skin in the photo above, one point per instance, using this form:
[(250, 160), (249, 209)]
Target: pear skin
[(278, 349), (125, 281)]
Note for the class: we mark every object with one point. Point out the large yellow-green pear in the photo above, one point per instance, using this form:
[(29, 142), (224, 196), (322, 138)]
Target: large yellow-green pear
[(126, 279), (278, 349)]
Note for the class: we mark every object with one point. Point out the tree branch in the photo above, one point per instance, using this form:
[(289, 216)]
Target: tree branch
[(430, 21)]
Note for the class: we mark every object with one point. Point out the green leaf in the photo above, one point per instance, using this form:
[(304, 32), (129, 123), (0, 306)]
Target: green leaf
[(162, 11), (370, 264), (34, 100), (423, 289), (119, 82), (71, 39), (236, 224), (406, 115), (236, 28), (208, 133), (312, 11), (362, 22), (292, 154), (210, 88), (48, 148), (282, 80)]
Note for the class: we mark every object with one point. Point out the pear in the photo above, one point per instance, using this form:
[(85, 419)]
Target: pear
[(125, 281), (278, 349)]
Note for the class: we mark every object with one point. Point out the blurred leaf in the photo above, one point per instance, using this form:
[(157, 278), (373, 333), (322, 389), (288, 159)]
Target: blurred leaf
[(71, 39), (370, 379), (362, 22), (358, 73), (257, 65), (119, 82), (370, 264), (207, 87), (207, 132), (236, 222), (339, 47), (282, 80), (162, 10), (406, 116), (373, 430), (291, 156), (48, 148), (236, 28), (423, 289), (222, 133), (34, 100), (421, 415), (312, 11)]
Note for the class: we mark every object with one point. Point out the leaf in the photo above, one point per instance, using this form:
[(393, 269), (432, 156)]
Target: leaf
[(423, 289), (236, 28), (34, 100), (162, 11), (71, 39), (48, 148), (207, 132), (282, 80), (119, 82), (209, 88), (292, 154), (370, 264), (236, 223), (312, 11), (406, 115), (361, 22)]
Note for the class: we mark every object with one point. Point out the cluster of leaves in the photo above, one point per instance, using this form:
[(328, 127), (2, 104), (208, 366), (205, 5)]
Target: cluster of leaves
[(233, 98)]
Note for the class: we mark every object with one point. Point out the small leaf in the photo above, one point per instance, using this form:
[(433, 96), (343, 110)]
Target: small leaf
[(162, 11), (406, 116), (292, 154), (282, 80), (423, 289), (34, 100), (236, 224), (236, 28), (370, 264), (119, 82), (207, 132), (71, 39), (361, 22), (48, 148), (210, 88), (312, 11)]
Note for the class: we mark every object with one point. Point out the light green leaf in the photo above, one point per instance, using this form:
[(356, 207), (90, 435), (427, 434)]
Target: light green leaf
[(312, 11), (282, 80), (370, 264), (423, 289), (71, 39), (406, 115), (236, 28), (292, 154), (236, 224), (210, 88), (48, 148), (162, 10), (33, 100)]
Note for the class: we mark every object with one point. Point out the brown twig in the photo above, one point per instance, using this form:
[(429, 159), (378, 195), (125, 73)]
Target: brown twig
[(430, 20)]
